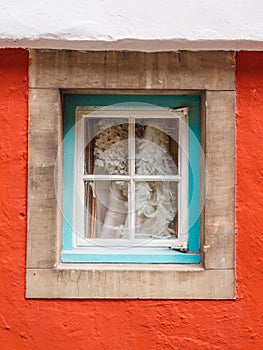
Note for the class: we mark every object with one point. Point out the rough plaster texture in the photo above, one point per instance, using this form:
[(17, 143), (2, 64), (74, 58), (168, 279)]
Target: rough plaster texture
[(141, 25), (132, 325)]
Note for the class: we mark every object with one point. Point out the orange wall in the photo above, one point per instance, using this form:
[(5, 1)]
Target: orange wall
[(77, 325)]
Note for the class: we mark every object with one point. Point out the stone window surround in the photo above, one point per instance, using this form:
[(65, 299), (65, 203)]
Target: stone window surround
[(210, 74)]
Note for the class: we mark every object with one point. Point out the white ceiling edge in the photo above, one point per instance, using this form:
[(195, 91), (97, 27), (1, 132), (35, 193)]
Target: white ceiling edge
[(135, 45)]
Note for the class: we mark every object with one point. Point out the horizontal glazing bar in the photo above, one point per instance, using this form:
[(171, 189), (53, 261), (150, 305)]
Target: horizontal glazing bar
[(135, 177), (157, 178)]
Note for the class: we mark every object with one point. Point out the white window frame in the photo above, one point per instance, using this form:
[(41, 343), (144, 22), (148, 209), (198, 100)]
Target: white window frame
[(79, 241)]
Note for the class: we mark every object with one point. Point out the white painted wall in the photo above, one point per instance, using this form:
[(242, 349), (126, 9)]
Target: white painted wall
[(132, 24)]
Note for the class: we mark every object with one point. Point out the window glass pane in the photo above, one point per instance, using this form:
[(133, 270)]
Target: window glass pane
[(157, 146), (156, 209), (106, 209), (106, 146)]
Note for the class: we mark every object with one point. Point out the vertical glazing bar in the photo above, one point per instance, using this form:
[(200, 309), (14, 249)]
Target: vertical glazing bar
[(131, 155), (132, 209)]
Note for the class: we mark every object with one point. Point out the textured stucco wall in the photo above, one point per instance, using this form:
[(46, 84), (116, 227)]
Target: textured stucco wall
[(132, 325), (142, 25)]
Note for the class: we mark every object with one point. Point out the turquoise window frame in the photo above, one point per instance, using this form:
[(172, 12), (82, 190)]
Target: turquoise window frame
[(139, 255)]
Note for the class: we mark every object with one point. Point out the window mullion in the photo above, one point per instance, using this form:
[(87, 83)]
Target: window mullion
[(131, 160), (131, 148), (131, 209)]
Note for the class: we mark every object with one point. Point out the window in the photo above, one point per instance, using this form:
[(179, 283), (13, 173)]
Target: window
[(65, 82), (130, 184)]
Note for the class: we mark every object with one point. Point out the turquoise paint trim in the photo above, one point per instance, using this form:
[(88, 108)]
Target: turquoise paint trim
[(166, 101), (137, 256), (73, 101), (194, 180), (68, 174)]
